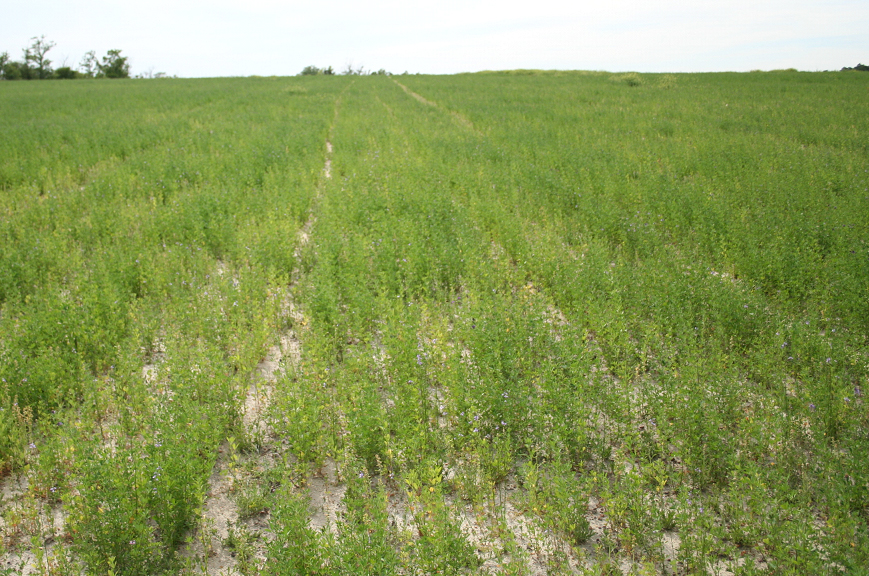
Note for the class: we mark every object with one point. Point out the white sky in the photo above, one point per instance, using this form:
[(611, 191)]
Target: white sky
[(200, 38)]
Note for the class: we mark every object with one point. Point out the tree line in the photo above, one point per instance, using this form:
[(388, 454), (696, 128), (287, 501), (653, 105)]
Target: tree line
[(37, 66), (348, 71)]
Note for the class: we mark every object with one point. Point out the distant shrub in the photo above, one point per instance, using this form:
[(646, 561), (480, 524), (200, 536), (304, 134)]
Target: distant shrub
[(16, 71), (66, 73), (314, 71)]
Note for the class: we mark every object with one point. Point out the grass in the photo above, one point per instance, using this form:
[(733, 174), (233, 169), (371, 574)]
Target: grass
[(548, 322)]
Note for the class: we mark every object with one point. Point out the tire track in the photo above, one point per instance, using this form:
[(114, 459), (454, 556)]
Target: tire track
[(461, 119), (224, 542)]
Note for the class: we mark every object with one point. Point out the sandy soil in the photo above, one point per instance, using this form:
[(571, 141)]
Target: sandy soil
[(221, 512)]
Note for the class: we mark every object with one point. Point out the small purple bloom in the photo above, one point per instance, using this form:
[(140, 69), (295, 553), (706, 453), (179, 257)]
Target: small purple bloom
[(812, 407)]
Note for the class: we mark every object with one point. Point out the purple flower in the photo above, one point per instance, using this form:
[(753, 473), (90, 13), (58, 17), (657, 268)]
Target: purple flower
[(812, 407), (858, 391)]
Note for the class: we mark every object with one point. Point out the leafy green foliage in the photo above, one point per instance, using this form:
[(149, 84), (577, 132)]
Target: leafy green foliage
[(627, 316), (113, 66)]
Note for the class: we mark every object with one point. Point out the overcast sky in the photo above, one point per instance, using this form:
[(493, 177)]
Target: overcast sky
[(196, 38)]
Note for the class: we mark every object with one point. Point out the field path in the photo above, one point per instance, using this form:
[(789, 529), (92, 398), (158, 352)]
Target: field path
[(226, 543), (463, 120)]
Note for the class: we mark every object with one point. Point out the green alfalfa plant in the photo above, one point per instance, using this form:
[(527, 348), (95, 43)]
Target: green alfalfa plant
[(570, 509), (242, 542), (631, 79), (299, 413), (16, 424), (109, 520), (744, 507), (440, 546), (366, 415), (296, 547), (667, 81), (366, 542)]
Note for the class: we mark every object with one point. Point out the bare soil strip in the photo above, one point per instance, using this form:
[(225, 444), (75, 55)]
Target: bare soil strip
[(327, 169), (214, 547)]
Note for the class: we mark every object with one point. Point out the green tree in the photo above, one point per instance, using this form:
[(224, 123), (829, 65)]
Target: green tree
[(34, 57), (89, 64), (114, 65), (350, 71)]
